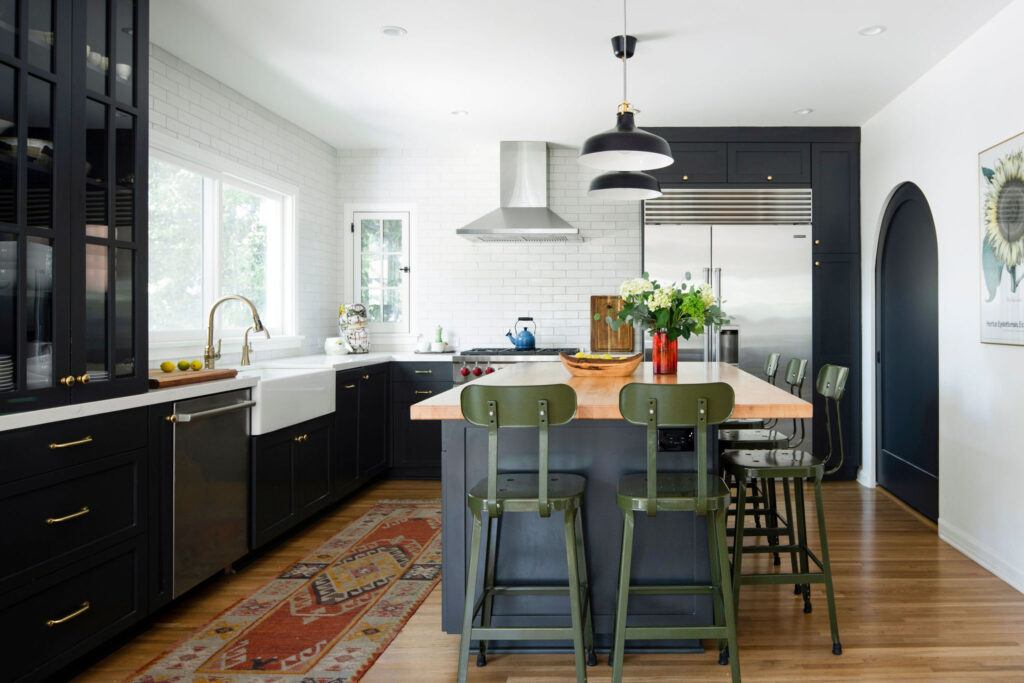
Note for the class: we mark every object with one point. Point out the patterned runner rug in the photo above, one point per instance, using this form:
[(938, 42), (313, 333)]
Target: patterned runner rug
[(328, 617)]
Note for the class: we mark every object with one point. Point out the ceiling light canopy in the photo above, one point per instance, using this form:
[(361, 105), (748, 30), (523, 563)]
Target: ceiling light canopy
[(393, 31), (625, 147), (874, 30), (624, 185), (460, 112), (803, 111)]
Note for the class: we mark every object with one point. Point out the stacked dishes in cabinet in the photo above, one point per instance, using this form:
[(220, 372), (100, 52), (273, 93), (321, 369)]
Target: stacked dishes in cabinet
[(6, 373)]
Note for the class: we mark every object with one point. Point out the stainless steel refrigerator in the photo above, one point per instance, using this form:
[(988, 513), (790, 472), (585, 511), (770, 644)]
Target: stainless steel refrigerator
[(766, 284)]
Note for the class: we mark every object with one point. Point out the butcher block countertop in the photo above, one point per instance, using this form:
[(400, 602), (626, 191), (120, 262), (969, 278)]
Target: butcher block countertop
[(598, 397)]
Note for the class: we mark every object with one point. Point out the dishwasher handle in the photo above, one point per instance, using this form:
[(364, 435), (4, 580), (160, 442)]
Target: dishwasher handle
[(189, 417)]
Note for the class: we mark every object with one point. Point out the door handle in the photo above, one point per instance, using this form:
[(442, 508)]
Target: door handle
[(82, 609), (69, 444), (83, 379), (189, 417), (349, 386), (424, 372), (424, 392), (68, 381), (301, 438), (58, 520)]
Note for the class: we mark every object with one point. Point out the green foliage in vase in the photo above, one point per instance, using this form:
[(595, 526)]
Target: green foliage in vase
[(678, 310)]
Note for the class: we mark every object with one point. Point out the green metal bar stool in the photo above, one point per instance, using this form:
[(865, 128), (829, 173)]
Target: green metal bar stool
[(796, 466), (677, 405), (497, 407), (770, 370)]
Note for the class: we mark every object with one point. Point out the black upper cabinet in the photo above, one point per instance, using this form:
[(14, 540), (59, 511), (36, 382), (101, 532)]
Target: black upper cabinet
[(769, 162), (73, 146), (835, 172), (695, 162)]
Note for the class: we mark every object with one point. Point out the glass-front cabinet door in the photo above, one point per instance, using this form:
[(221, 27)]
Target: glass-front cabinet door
[(72, 201), (108, 206), (34, 231)]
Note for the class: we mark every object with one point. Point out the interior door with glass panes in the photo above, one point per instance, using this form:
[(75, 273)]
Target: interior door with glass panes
[(108, 208), (381, 246), (34, 231)]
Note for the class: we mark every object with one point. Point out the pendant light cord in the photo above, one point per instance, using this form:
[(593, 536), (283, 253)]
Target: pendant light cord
[(625, 53)]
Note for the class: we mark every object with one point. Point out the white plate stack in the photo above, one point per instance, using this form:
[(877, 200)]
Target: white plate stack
[(6, 373), (99, 375)]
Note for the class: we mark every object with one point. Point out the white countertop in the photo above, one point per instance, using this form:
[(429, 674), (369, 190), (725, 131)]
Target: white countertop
[(154, 396)]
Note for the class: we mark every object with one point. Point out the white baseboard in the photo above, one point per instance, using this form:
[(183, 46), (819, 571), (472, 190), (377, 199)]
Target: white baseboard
[(981, 553), (864, 479)]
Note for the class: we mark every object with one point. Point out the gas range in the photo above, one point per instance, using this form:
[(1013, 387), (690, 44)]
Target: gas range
[(473, 363)]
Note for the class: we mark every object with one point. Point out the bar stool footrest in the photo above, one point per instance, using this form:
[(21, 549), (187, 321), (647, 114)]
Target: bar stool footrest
[(522, 633), (671, 590), (675, 632), (778, 579)]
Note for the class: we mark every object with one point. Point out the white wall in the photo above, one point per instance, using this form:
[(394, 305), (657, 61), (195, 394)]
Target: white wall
[(931, 135), (192, 107), (476, 291)]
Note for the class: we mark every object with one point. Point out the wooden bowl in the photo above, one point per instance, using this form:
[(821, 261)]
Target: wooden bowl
[(601, 367)]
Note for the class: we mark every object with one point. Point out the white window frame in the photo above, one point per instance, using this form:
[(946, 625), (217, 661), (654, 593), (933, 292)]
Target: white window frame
[(392, 333), (217, 172)]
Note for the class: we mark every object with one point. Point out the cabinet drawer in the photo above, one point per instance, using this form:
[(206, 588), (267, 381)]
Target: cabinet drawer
[(95, 599), (69, 511), (413, 372), (695, 162), (414, 392), (769, 162), (49, 447)]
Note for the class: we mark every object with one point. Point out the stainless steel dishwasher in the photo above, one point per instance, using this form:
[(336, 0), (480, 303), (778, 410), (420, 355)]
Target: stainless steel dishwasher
[(211, 485)]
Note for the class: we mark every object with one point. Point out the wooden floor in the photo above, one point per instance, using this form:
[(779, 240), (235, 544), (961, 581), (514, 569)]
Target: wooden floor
[(910, 608)]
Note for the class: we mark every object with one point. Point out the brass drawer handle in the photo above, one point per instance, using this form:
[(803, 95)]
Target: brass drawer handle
[(424, 372), (301, 437), (83, 379), (366, 377), (58, 520), (424, 392), (78, 612), (349, 386), (69, 444)]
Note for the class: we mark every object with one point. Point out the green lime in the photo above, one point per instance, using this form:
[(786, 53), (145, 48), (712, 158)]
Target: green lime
[(183, 365)]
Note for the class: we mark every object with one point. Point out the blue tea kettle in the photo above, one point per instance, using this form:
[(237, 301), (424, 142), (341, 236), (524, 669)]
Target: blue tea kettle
[(524, 340)]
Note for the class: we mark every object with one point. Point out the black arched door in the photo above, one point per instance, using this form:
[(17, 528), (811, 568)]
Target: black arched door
[(907, 314)]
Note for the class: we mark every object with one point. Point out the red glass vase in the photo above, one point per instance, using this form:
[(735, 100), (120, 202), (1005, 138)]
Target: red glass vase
[(665, 354)]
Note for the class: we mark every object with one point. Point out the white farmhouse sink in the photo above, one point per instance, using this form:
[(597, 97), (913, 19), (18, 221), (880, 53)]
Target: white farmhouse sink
[(285, 397)]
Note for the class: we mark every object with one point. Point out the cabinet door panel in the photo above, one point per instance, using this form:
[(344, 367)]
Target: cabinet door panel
[(695, 162), (836, 181), (312, 468), (345, 445), (272, 494), (373, 421), (769, 162)]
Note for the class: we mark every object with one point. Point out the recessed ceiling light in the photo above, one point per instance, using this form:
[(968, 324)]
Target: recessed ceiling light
[(803, 111), (460, 112), (393, 31), (872, 30)]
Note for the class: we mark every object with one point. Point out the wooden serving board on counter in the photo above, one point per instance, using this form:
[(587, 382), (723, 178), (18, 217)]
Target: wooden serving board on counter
[(602, 336), (158, 379)]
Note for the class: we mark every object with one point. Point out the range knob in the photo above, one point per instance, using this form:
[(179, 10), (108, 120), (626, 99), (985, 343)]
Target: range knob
[(464, 371), (488, 370), (477, 371)]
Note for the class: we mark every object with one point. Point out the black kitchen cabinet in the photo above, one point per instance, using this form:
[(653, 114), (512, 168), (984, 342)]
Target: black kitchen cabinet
[(769, 162), (346, 434), (373, 421), (835, 174), (73, 170), (695, 162), (416, 444), (836, 341), (291, 477), (361, 420)]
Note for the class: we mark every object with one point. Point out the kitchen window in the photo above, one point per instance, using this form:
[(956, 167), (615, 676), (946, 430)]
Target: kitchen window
[(212, 233), (381, 268)]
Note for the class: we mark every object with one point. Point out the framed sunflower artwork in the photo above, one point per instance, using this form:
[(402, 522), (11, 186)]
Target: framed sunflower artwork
[(1001, 189)]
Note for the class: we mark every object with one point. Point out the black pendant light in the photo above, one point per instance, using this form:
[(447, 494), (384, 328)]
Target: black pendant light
[(625, 147), (624, 185)]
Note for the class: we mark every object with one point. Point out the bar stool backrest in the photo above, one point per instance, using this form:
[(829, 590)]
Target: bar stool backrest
[(831, 385), (676, 405), (771, 366), (796, 373), (518, 406)]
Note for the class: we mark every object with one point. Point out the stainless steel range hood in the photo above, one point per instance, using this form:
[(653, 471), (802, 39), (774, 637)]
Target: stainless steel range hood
[(524, 215)]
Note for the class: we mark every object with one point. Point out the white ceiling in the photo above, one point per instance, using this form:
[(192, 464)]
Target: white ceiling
[(544, 70)]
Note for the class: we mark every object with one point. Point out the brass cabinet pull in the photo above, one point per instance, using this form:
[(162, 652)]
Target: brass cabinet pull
[(423, 392), (301, 437), (817, 241), (83, 379), (83, 608), (349, 386), (171, 418), (769, 178), (58, 520), (68, 381), (424, 372), (366, 377), (686, 177), (69, 444), (817, 263)]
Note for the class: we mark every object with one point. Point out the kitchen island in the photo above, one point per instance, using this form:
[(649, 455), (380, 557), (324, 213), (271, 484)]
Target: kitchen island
[(601, 446)]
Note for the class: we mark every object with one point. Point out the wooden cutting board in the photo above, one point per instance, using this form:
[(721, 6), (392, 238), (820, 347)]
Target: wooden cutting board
[(158, 379), (602, 336)]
